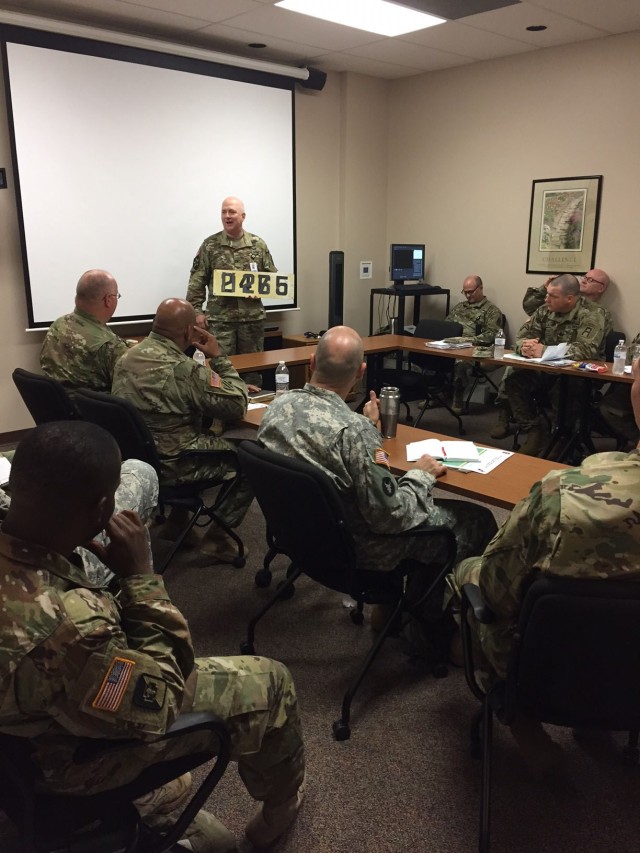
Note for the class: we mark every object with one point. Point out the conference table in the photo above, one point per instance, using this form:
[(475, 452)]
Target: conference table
[(502, 487)]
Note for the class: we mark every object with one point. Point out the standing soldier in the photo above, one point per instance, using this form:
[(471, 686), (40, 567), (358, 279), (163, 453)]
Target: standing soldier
[(237, 322)]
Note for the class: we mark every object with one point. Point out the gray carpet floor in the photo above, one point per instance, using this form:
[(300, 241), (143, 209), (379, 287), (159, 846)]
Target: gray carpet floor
[(405, 781)]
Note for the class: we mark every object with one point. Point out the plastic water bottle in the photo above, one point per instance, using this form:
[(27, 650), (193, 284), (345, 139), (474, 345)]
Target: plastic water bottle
[(282, 378), (199, 357), (498, 344), (619, 358)]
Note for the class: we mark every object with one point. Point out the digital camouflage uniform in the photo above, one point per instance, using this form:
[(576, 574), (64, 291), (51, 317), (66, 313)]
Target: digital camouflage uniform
[(76, 662), (581, 522), (316, 426), (237, 323), (480, 323), (138, 490), (582, 328), (81, 352), (535, 297), (174, 393)]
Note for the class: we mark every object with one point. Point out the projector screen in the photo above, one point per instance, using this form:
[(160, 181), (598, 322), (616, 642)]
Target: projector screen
[(123, 165)]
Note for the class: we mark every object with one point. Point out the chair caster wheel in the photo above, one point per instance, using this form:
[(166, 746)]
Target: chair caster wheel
[(239, 563), (356, 616), (263, 578), (341, 731), (247, 648), (630, 756), (440, 670), (287, 593)]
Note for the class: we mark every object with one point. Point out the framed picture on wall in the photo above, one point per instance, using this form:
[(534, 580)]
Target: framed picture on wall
[(563, 224)]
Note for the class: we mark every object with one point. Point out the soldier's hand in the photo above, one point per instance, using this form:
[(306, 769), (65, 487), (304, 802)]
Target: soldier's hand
[(205, 341), (128, 550), (430, 465), (371, 408), (549, 280), (202, 322)]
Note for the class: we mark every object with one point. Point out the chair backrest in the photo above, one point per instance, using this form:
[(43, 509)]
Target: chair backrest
[(576, 661), (435, 330), (611, 342), (304, 514), (123, 421), (46, 399)]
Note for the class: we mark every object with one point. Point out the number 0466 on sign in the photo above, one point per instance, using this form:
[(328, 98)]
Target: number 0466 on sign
[(259, 285)]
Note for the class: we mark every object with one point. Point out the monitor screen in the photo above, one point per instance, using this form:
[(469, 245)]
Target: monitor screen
[(407, 262)]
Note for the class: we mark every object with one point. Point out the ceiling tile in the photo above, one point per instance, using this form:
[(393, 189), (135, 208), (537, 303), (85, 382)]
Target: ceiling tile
[(364, 65), (613, 16), (219, 34), (455, 37), (412, 55), (514, 20)]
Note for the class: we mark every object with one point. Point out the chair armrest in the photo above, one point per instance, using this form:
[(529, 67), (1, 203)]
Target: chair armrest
[(481, 611)]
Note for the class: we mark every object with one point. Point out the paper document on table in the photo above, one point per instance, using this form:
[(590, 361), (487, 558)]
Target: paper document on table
[(253, 406), (556, 354), (450, 452), (446, 345), (5, 470), (490, 458)]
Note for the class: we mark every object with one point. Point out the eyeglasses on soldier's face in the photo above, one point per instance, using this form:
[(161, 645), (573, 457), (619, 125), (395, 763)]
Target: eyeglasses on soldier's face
[(590, 280), (469, 292)]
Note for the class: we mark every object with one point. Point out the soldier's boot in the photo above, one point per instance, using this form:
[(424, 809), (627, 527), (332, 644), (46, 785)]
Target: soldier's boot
[(175, 524), (205, 834), (271, 822), (218, 545), (457, 404), (536, 440), (540, 752), (501, 428)]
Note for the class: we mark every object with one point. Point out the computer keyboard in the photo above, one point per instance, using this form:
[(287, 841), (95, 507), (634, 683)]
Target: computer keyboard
[(408, 289)]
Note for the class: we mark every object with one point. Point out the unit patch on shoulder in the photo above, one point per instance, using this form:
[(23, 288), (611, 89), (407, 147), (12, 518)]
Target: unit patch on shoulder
[(196, 263), (215, 381), (389, 486), (114, 686), (150, 693)]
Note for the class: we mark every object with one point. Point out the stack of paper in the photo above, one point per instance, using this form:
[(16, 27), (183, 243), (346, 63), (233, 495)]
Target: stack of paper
[(5, 470), (555, 354), (448, 451), (445, 345)]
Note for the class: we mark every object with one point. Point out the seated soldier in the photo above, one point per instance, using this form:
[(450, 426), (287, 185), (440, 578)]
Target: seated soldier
[(480, 320), (578, 522), (79, 349), (52, 612), (175, 396), (616, 408)]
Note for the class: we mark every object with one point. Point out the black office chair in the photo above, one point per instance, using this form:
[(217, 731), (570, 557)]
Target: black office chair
[(428, 377), (479, 374), (46, 399), (575, 662), (125, 423), (107, 822), (290, 492)]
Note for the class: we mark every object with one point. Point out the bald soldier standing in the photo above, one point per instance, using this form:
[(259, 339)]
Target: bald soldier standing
[(79, 349), (237, 322)]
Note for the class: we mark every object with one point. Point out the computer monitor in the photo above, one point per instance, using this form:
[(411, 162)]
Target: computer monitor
[(407, 262)]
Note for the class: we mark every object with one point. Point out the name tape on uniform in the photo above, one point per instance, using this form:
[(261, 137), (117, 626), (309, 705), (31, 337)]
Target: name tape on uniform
[(244, 283)]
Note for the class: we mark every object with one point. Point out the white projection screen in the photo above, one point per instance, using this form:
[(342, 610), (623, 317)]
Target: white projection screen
[(122, 165)]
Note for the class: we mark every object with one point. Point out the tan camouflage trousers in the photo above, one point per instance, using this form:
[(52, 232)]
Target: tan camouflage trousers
[(239, 336)]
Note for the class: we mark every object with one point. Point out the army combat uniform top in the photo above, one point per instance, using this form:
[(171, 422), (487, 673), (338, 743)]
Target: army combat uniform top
[(220, 252), (583, 328), (580, 522), (174, 393), (535, 297), (316, 425), (74, 662), (480, 321), (81, 352)]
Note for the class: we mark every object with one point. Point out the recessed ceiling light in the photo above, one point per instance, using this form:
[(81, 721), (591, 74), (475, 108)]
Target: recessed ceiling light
[(373, 16), (256, 44), (536, 28)]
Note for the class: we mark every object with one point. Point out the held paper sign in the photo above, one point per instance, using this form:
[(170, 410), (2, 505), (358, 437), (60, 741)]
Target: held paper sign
[(244, 283)]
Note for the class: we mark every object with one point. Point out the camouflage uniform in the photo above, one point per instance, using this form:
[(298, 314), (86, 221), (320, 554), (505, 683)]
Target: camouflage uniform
[(237, 323), (317, 426), (480, 323), (76, 662), (535, 297), (582, 328), (81, 352), (616, 407), (580, 522), (174, 393)]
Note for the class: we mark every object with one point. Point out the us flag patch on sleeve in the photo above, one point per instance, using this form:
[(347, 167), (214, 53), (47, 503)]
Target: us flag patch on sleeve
[(380, 457), (216, 382), (114, 686)]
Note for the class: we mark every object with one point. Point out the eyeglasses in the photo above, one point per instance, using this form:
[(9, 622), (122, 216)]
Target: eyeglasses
[(470, 292), (591, 280)]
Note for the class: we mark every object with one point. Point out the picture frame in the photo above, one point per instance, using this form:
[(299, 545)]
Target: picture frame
[(563, 224)]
